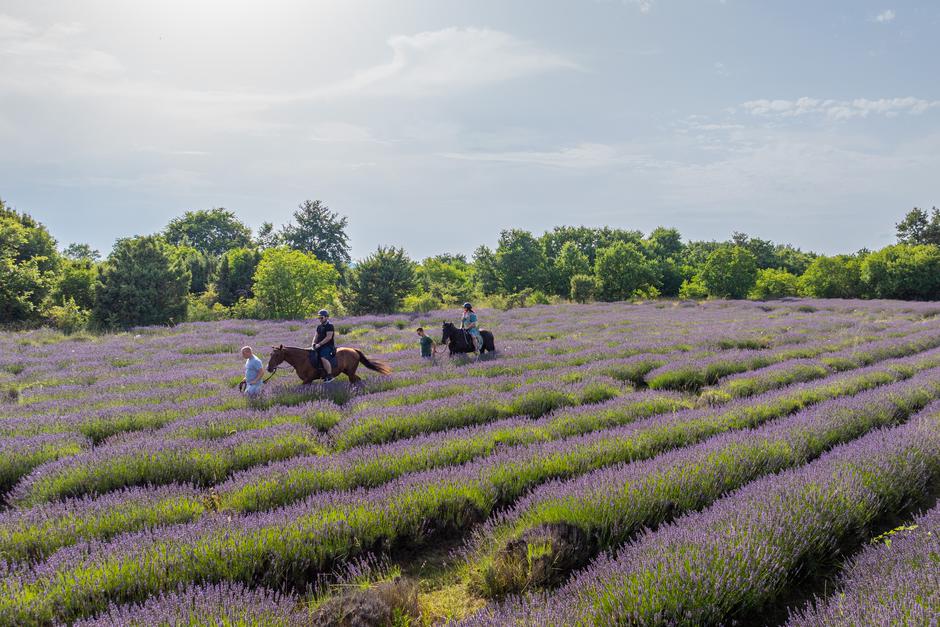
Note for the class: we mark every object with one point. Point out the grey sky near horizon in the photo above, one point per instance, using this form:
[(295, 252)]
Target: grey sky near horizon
[(433, 124)]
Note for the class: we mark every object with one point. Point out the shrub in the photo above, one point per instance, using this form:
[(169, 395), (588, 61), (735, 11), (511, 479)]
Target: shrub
[(421, 303), (773, 283), (693, 289), (69, 317), (290, 284), (583, 288)]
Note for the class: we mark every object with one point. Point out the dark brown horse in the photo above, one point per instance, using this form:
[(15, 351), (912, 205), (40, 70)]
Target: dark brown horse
[(347, 361)]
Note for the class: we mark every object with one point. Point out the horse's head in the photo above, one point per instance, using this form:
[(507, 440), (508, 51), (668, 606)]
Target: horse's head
[(447, 331), (278, 355)]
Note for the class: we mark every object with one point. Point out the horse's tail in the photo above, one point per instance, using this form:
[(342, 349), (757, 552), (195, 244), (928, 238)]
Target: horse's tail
[(378, 366)]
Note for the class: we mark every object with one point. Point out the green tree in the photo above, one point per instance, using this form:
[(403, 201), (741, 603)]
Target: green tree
[(29, 262), (447, 278), (569, 263), (210, 231), (583, 287), (267, 237), (485, 272), (142, 283), (81, 252), (919, 228), (76, 283), (291, 284), (729, 272), (236, 275), (520, 262), (319, 231), (903, 272), (665, 243), (832, 277), (773, 283), (200, 265), (379, 282), (622, 269)]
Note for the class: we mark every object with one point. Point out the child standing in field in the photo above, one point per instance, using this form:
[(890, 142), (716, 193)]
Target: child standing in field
[(427, 344)]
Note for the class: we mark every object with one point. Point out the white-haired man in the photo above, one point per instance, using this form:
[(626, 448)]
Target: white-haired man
[(254, 373)]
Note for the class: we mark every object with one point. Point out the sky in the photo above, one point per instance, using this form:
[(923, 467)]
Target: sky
[(434, 124)]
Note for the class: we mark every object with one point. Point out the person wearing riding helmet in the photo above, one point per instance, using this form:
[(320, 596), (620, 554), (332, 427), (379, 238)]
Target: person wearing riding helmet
[(469, 323), (324, 344)]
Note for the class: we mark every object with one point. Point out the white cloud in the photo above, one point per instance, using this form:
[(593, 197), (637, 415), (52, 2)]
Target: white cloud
[(885, 16), (446, 59), (57, 47), (583, 156), (839, 109)]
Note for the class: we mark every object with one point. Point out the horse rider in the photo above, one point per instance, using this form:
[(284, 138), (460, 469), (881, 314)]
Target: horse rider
[(254, 372), (469, 324), (324, 344)]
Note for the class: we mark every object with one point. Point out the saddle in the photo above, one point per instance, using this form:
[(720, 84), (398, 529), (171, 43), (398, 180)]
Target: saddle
[(315, 360)]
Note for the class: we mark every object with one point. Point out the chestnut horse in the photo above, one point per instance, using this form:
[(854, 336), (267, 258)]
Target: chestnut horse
[(347, 361)]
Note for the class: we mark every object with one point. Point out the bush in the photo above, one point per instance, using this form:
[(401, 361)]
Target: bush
[(142, 284), (832, 277), (730, 272), (693, 289), (583, 288), (775, 284), (421, 303), (69, 317), (290, 284)]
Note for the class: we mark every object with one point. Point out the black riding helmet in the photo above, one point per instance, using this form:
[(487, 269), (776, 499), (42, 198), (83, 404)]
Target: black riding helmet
[(468, 307)]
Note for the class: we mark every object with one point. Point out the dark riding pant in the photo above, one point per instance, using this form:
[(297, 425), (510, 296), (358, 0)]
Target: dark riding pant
[(324, 352)]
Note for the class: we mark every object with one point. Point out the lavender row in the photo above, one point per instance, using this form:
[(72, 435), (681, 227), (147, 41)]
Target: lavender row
[(289, 546), (894, 581), (561, 525), (285, 482), (736, 558), (149, 460)]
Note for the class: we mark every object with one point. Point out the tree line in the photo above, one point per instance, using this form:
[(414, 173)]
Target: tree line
[(207, 264)]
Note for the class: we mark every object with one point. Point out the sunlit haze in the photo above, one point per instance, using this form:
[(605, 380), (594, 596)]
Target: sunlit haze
[(433, 124)]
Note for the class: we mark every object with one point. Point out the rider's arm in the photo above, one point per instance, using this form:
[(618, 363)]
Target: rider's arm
[(326, 338)]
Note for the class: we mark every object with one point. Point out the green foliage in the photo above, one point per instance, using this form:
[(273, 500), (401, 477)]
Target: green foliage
[(379, 282), (320, 232), (421, 303), (621, 269), (832, 277), (520, 261), (69, 317), (267, 237), (76, 283), (291, 284), (583, 288), (485, 272), (200, 265), (211, 232), (448, 279), (693, 289), (665, 243), (775, 284), (903, 272), (729, 272), (28, 263), (917, 228), (236, 275), (141, 284), (81, 252), (569, 263)]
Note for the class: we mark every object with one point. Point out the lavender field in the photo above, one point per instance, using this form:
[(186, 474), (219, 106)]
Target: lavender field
[(654, 463)]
